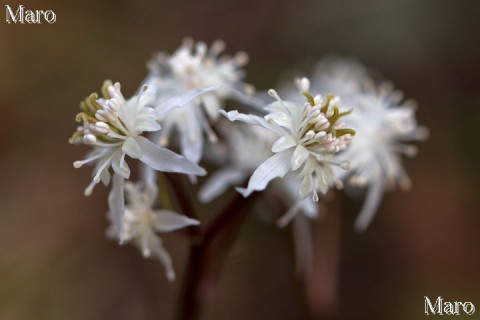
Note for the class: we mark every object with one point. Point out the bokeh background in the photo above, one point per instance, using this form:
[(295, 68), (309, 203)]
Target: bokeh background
[(55, 262)]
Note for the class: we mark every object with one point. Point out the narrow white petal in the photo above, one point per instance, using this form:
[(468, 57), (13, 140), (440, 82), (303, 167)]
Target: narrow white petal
[(300, 155), (147, 123), (131, 148), (116, 202), (218, 182), (211, 105), (374, 196), (283, 143), (162, 159), (275, 166), (167, 220), (164, 257), (191, 139), (165, 107), (280, 118), (120, 166), (253, 120)]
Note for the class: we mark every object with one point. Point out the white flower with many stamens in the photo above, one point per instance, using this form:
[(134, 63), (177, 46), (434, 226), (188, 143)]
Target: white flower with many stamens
[(309, 137), (141, 224), (114, 127), (383, 124), (195, 66)]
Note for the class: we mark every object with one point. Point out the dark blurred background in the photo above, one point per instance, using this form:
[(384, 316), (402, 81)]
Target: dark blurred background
[(55, 262)]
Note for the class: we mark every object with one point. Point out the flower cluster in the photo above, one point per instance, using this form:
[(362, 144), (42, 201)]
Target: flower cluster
[(114, 127), (351, 131)]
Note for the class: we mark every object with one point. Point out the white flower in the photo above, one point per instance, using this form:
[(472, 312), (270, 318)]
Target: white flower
[(114, 127), (383, 124), (309, 135), (194, 66), (141, 224), (244, 148)]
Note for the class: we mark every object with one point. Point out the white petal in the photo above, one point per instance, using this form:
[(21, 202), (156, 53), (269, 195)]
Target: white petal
[(218, 182), (252, 119), (164, 257), (283, 143), (131, 148), (120, 166), (275, 166), (306, 186), (147, 121), (212, 105), (116, 202), (191, 139), (162, 159), (165, 107), (167, 220), (374, 196), (280, 118), (300, 155)]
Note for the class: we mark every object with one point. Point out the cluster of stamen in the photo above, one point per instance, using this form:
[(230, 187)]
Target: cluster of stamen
[(101, 123), (321, 125)]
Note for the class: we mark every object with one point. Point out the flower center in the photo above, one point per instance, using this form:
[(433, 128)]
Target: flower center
[(101, 123)]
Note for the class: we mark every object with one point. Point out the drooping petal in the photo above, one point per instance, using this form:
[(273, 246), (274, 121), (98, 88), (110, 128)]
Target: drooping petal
[(218, 183), (252, 119), (374, 196), (162, 159), (163, 256), (116, 202), (165, 107), (167, 220), (275, 166)]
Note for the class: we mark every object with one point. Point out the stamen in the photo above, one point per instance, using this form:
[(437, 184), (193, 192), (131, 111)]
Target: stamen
[(89, 139), (327, 103), (241, 58), (303, 84), (274, 94), (309, 97), (217, 47), (89, 189), (101, 127)]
